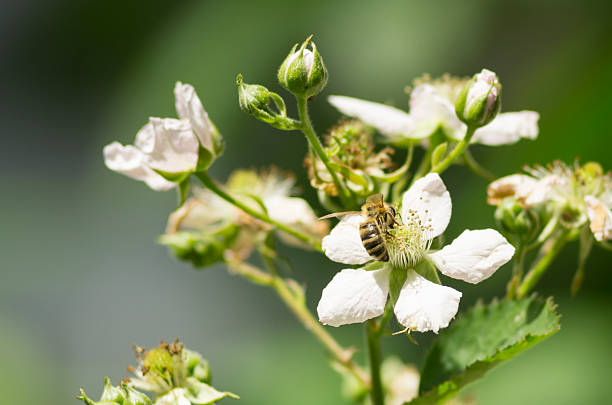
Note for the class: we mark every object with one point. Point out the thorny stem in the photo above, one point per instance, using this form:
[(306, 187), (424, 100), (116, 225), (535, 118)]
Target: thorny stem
[(210, 184), (315, 143), (295, 302), (373, 337), (455, 153), (547, 254)]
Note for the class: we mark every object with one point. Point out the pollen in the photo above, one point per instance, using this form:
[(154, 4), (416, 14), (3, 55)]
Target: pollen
[(408, 242)]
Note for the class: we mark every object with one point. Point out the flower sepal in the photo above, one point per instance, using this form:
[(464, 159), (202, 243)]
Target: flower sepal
[(513, 218), (120, 395)]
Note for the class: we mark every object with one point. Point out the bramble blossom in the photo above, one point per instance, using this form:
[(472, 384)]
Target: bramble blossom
[(577, 194), (166, 150), (432, 106), (356, 295)]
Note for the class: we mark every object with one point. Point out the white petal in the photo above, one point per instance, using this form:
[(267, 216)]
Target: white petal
[(296, 213), (129, 160), (423, 306), (175, 397), (429, 109), (343, 244), (600, 218), (354, 296), (543, 189), (431, 201), (169, 145), (515, 185), (508, 128), (474, 256), (189, 107), (387, 120)]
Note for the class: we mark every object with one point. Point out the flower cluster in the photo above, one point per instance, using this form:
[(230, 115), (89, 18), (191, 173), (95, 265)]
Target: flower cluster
[(356, 295), (173, 374), (574, 195), (350, 148), (207, 227)]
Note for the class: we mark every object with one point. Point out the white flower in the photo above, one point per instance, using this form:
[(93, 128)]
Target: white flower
[(582, 193), (166, 145), (272, 188), (357, 295), (432, 106), (600, 218)]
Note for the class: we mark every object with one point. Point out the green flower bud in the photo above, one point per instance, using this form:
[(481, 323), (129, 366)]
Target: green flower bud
[(303, 72), (480, 99), (254, 99), (513, 217), (201, 248)]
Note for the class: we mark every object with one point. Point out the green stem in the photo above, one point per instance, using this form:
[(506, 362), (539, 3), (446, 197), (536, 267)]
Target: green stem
[(374, 354), (476, 167), (586, 243), (459, 149), (517, 271), (547, 254), (210, 184), (314, 142)]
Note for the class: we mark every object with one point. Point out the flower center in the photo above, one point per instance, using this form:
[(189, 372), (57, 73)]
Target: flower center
[(408, 242)]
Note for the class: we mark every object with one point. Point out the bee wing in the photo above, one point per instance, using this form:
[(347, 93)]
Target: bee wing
[(375, 199), (340, 214)]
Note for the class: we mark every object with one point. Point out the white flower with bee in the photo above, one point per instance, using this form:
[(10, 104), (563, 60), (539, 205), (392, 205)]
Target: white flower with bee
[(356, 295)]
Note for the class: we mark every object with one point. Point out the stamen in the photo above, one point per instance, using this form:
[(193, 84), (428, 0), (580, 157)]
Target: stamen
[(408, 242)]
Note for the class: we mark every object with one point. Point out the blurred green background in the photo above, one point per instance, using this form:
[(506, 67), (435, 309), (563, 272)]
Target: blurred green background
[(81, 275)]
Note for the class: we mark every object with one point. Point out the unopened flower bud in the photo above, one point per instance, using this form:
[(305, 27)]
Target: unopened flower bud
[(303, 72), (480, 99), (254, 99), (513, 217)]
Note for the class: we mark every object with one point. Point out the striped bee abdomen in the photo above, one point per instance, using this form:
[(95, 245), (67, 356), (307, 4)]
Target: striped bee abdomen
[(372, 240)]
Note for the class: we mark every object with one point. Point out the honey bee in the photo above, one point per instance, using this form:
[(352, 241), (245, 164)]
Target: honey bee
[(380, 217)]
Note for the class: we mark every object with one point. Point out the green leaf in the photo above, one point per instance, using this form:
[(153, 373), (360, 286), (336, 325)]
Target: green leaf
[(438, 154), (481, 339)]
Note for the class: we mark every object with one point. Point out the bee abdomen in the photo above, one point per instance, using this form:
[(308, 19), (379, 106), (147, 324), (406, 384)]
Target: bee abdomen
[(373, 241)]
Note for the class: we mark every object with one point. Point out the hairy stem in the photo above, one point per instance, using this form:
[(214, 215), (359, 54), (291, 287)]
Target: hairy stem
[(455, 153), (517, 272), (373, 337), (547, 254), (315, 143), (210, 184)]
